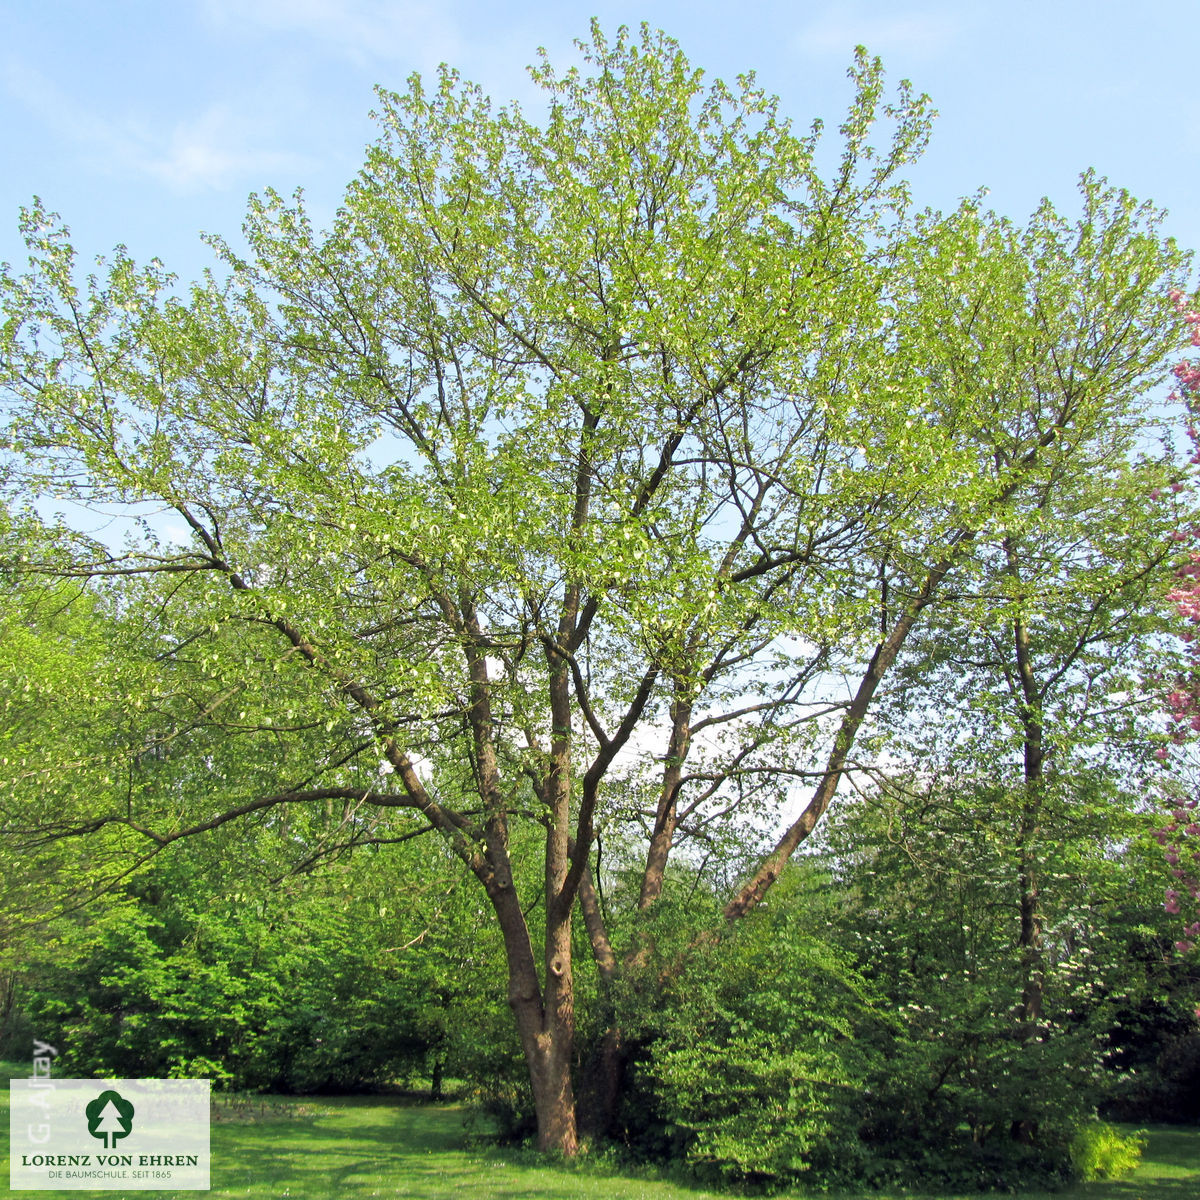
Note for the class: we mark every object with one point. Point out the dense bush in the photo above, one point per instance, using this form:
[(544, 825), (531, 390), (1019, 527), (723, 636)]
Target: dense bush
[(743, 1056), (1165, 1084), (243, 999), (969, 1090), (1101, 1151), (755, 1064)]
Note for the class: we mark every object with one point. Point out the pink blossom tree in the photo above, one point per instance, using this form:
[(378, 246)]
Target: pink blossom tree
[(1180, 835)]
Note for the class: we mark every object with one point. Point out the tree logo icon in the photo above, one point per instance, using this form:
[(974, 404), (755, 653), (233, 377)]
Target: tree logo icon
[(109, 1117)]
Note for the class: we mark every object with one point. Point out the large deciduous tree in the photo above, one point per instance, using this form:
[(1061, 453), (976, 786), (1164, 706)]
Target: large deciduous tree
[(585, 473)]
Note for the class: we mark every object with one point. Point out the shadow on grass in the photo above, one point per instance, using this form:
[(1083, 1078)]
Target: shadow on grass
[(368, 1147)]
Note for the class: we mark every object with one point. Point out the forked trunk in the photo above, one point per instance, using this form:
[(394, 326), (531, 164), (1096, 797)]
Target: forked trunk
[(545, 1019), (548, 1041)]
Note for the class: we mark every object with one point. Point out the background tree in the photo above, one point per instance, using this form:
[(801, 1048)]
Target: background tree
[(1045, 658), (616, 456), (931, 907), (62, 692)]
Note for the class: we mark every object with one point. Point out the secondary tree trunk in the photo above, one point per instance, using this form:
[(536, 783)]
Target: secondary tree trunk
[(1029, 939), (600, 1085)]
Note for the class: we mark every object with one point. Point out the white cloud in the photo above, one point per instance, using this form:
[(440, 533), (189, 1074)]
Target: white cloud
[(209, 150), (916, 33)]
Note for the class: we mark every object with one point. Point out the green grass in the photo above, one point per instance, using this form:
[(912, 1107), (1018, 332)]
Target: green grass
[(352, 1148)]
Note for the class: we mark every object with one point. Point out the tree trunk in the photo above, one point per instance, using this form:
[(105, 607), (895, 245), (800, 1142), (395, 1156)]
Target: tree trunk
[(553, 1096), (547, 1036), (547, 1032), (8, 1000)]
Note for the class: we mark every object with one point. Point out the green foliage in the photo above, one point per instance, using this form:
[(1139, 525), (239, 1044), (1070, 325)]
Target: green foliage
[(761, 1082), (248, 1005), (1159, 1048), (1102, 1151), (861, 1026), (312, 985), (63, 683)]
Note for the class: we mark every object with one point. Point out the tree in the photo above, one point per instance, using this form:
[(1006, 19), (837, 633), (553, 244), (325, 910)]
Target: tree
[(62, 692), (1047, 661), (581, 475)]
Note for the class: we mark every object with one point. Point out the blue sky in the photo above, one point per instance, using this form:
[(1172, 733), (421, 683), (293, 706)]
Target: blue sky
[(144, 121)]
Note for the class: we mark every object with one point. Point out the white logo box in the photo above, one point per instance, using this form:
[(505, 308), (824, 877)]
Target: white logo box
[(151, 1135)]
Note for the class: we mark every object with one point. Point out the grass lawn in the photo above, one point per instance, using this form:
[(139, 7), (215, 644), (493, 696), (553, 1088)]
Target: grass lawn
[(351, 1148)]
